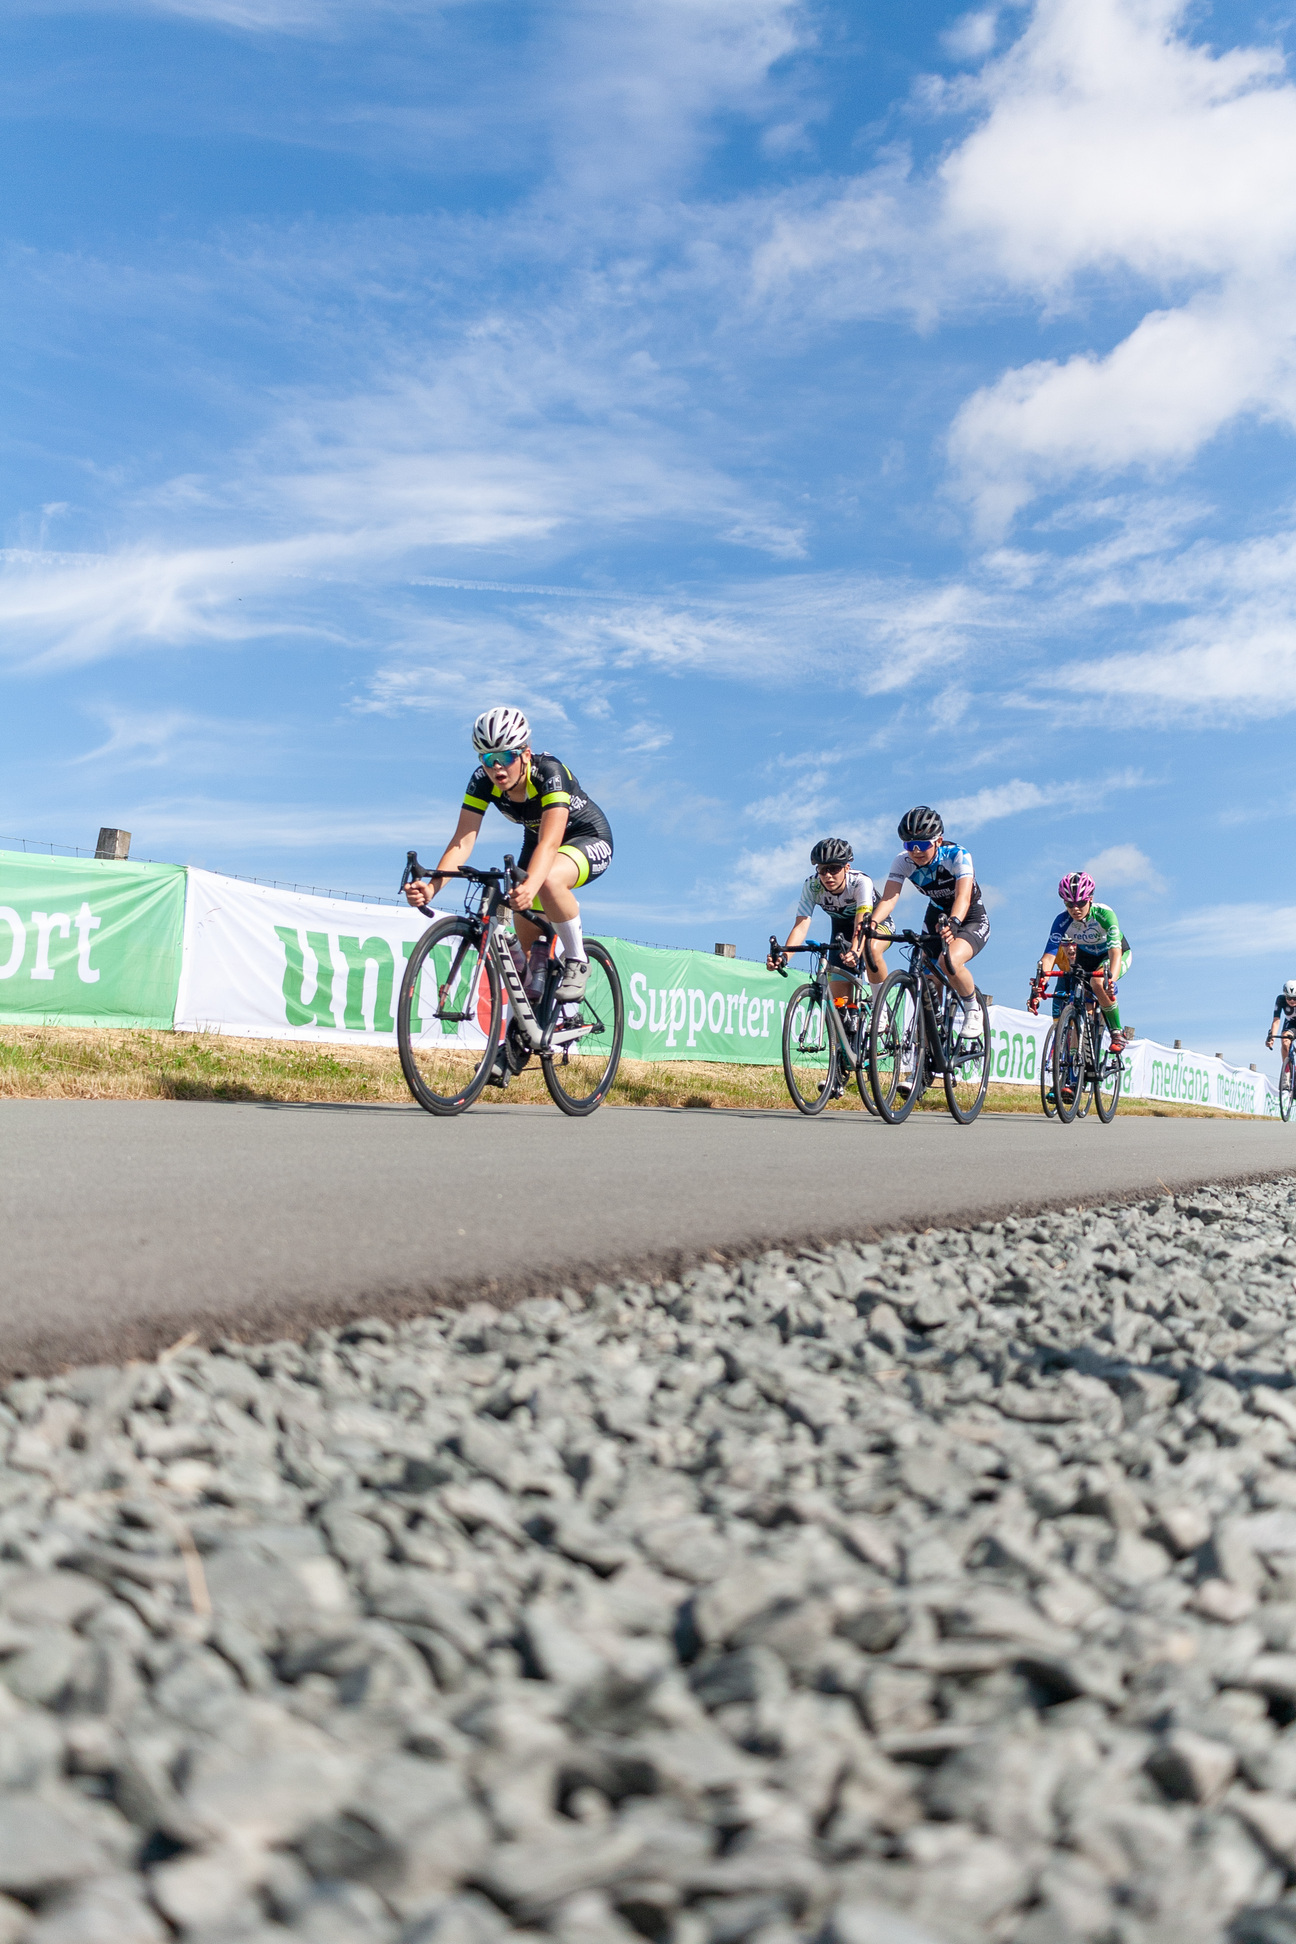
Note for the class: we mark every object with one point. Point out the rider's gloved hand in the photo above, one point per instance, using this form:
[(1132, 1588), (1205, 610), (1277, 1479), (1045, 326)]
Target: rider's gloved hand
[(1032, 1004)]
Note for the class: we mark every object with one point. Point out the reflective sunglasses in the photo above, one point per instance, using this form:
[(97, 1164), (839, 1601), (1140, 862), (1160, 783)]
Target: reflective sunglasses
[(919, 843), (499, 758), (1077, 904)]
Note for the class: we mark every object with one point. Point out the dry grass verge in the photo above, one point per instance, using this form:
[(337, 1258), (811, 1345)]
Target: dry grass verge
[(104, 1063)]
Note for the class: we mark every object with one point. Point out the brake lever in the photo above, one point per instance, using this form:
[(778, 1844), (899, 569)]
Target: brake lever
[(413, 871)]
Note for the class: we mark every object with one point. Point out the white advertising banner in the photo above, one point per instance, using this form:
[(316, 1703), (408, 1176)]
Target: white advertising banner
[(278, 964)]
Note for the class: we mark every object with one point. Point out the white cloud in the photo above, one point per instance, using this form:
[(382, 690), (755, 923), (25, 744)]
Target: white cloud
[(1236, 930), (972, 36), (1112, 143), (1011, 799), (1124, 864), (635, 83), (1171, 385)]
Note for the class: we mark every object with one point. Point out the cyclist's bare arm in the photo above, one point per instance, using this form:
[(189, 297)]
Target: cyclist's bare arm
[(456, 852), (794, 938)]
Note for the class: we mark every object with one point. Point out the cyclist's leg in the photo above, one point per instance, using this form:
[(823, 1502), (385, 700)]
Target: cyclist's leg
[(1095, 967), (577, 863)]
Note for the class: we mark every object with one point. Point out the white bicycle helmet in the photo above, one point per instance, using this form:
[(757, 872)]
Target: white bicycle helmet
[(1289, 989), (501, 728)]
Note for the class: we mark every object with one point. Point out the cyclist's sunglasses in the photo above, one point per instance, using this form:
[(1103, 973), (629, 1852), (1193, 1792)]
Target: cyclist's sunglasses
[(919, 843), (499, 758), (1077, 904)]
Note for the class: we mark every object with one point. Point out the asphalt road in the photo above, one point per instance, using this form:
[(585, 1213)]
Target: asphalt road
[(128, 1223)]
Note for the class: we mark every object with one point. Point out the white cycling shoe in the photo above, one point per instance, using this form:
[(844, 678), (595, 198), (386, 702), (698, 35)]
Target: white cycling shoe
[(574, 980)]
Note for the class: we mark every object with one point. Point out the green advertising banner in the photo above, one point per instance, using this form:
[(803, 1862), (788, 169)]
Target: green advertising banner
[(89, 942), (686, 1006)]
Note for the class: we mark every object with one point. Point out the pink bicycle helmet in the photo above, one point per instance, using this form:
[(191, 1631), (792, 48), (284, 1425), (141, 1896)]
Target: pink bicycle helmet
[(1077, 887)]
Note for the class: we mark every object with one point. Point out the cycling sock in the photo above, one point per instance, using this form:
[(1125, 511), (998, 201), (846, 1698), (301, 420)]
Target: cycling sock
[(573, 939), (1113, 1019)]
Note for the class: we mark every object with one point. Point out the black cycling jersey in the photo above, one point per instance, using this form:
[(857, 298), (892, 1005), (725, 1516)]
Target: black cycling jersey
[(549, 784), (1285, 1009)]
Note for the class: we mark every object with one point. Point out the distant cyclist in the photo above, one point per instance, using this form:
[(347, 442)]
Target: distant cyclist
[(955, 910), (568, 840), (1284, 1010), (846, 899), (1086, 938)]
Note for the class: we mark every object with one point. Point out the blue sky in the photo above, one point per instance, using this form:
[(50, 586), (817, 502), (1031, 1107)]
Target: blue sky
[(802, 410)]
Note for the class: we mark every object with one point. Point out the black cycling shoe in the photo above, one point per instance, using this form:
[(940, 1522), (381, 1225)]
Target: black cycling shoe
[(499, 1075)]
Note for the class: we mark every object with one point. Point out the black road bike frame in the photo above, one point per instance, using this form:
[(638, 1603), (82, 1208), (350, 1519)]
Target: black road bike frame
[(846, 1052), (936, 1039)]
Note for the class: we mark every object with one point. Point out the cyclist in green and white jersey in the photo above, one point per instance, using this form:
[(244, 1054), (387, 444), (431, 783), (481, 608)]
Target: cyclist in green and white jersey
[(1086, 937)]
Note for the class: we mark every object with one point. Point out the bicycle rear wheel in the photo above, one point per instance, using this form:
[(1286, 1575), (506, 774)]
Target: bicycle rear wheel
[(1287, 1085), (1108, 1081), (810, 1054), (580, 1067), (1047, 1100), (897, 1047), (967, 1077), (1068, 1063), (448, 1029)]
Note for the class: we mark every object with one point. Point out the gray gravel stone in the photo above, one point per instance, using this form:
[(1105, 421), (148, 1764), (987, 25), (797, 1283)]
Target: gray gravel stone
[(938, 1590)]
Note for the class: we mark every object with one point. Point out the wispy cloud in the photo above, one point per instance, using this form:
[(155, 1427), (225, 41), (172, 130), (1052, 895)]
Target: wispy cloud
[(1124, 864)]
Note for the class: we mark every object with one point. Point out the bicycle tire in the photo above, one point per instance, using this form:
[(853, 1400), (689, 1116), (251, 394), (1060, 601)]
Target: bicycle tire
[(809, 1084), (447, 1078), (590, 1062), (1068, 1064), (897, 1047), (863, 1078), (1047, 1101), (1287, 1085), (967, 1081), (1115, 1079)]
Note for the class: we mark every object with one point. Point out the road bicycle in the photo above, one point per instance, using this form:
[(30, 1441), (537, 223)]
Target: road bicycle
[(823, 1042), (1082, 1068), (1047, 1099), (1287, 1083), (469, 963), (915, 1034)]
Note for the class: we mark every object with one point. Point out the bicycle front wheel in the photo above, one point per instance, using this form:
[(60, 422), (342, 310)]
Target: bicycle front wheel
[(581, 1064), (896, 1047), (809, 1050), (1108, 1080), (1068, 1063), (1287, 1086), (1047, 1100), (967, 1073), (448, 1017)]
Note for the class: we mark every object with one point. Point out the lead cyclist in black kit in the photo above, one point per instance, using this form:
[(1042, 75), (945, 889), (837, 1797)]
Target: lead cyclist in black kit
[(568, 841)]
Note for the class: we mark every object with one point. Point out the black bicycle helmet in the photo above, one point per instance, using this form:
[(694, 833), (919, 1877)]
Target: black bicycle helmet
[(832, 851), (921, 821)]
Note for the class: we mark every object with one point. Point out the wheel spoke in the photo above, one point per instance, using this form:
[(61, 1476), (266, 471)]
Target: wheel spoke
[(809, 1052), (587, 1043), (448, 1017)]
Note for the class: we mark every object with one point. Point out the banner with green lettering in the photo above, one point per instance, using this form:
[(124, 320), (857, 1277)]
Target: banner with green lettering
[(89, 942), (686, 1006)]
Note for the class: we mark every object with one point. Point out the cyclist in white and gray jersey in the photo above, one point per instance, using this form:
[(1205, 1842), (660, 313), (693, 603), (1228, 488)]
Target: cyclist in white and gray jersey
[(846, 899)]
